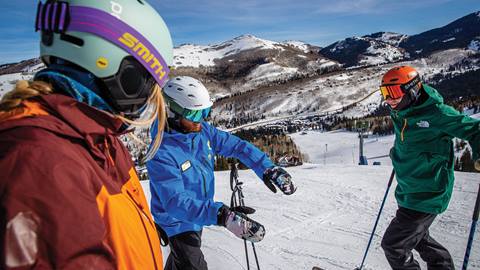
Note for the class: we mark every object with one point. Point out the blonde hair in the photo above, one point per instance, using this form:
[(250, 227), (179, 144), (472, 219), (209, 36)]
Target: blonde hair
[(24, 90), (155, 107)]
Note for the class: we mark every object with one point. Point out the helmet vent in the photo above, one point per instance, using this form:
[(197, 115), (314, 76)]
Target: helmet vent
[(190, 95), (394, 80), (72, 39), (179, 89), (141, 2), (192, 85)]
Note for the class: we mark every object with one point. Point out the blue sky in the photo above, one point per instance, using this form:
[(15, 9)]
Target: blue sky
[(319, 22)]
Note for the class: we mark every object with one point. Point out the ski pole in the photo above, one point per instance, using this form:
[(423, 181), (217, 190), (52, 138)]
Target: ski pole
[(237, 199), (376, 222), (472, 231)]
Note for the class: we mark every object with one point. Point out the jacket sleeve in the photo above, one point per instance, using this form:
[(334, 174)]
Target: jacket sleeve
[(230, 145), (166, 181), (49, 216), (461, 126)]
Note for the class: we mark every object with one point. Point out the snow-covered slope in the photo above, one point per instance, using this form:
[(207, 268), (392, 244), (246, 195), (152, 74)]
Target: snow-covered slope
[(306, 48), (474, 44), (340, 147), (328, 221), (269, 72), (197, 55), (378, 53), (8, 81), (391, 38), (331, 92), (378, 48)]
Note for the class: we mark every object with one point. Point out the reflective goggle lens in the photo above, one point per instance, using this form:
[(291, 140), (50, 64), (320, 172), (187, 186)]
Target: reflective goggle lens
[(391, 91), (196, 115)]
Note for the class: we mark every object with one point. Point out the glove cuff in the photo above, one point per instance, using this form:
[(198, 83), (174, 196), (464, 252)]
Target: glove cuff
[(267, 174), (222, 215)]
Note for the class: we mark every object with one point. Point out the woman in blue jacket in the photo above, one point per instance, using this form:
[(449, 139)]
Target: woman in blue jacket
[(182, 179)]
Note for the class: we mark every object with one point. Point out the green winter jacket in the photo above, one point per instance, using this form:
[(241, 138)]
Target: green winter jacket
[(423, 155)]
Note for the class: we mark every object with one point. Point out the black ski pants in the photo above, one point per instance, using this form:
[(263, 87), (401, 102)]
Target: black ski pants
[(185, 253), (408, 231)]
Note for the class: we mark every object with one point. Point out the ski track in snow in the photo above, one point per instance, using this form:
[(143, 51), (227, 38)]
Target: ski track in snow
[(328, 221)]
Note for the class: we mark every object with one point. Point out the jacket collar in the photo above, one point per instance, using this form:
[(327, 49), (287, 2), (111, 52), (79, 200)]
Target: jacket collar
[(67, 117), (433, 98)]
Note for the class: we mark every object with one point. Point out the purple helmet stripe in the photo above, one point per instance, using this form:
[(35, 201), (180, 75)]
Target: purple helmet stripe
[(63, 12), (47, 16), (39, 16), (54, 17), (98, 22)]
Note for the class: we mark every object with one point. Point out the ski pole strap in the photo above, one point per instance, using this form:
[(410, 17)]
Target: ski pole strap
[(162, 235), (233, 175)]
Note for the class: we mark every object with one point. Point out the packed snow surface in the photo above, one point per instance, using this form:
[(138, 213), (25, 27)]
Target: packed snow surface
[(328, 221)]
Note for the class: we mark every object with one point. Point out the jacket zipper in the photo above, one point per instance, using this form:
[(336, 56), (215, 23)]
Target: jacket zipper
[(204, 184), (107, 149), (140, 211), (140, 215), (403, 129)]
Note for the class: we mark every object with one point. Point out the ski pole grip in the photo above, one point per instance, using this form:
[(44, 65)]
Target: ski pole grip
[(477, 205)]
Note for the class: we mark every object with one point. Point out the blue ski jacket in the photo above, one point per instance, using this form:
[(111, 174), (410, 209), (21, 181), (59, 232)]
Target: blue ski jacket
[(182, 180)]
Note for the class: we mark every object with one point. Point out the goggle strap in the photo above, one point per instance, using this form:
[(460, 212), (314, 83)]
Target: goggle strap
[(411, 84)]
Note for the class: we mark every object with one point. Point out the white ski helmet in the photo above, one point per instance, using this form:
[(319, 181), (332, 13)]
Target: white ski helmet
[(187, 97), (188, 93)]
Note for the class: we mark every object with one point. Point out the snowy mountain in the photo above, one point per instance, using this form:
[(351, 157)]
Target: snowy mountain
[(356, 89), (190, 55), (386, 47), (26, 66), (227, 68), (254, 79), (328, 221), (458, 34), (374, 49), (306, 48)]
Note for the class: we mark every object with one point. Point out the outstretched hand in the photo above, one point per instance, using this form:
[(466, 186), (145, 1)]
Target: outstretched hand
[(277, 177)]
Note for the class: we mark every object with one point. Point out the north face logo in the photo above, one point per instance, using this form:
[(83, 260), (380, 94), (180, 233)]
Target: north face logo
[(423, 124)]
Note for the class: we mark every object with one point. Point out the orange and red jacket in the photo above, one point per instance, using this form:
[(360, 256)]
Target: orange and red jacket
[(70, 197)]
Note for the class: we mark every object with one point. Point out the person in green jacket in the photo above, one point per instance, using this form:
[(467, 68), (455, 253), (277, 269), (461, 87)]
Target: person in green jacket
[(423, 160)]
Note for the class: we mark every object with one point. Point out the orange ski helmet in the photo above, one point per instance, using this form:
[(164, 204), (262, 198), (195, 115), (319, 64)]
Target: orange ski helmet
[(399, 81)]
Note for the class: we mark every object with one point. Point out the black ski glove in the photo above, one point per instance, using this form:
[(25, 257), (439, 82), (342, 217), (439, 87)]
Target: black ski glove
[(277, 176), (236, 221)]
